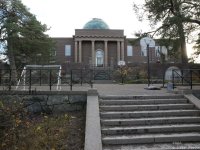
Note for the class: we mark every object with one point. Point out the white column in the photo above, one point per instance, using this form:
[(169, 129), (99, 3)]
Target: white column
[(80, 51), (75, 52), (106, 53), (93, 53), (118, 51), (122, 50)]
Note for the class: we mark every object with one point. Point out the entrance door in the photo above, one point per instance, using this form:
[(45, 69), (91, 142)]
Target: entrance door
[(99, 58)]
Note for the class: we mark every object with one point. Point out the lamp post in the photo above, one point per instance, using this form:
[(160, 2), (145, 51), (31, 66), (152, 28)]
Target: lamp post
[(148, 42), (148, 66)]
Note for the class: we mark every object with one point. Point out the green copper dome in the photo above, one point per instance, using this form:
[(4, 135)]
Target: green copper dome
[(96, 23)]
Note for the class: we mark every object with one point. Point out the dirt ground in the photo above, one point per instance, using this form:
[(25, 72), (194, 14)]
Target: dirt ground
[(76, 136)]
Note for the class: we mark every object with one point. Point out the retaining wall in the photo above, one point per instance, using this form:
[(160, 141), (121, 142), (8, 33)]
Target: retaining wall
[(45, 101)]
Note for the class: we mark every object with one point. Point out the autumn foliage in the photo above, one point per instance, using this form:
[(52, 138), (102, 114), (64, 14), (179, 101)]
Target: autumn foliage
[(21, 130)]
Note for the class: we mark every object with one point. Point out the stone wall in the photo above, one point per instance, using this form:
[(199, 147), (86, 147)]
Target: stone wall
[(48, 103)]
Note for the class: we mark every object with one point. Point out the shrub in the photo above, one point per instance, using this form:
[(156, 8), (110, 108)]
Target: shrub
[(21, 131)]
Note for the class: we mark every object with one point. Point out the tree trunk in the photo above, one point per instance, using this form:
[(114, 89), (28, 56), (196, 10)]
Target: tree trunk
[(12, 62), (177, 13), (184, 57)]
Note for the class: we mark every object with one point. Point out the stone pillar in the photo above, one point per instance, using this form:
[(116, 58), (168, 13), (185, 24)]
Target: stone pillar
[(80, 51), (75, 52), (118, 51), (106, 53), (122, 50), (93, 53)]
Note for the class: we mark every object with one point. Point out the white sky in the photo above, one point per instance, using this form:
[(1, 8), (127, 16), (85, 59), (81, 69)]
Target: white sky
[(64, 16)]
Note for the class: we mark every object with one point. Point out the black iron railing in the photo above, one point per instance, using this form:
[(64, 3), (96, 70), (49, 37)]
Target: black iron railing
[(30, 79), (186, 77), (81, 76)]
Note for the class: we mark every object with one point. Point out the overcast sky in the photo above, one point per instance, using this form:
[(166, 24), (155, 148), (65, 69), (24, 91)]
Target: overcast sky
[(64, 16)]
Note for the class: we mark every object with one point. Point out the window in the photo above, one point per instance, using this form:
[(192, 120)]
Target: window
[(129, 50), (67, 50), (143, 51), (157, 51), (160, 50)]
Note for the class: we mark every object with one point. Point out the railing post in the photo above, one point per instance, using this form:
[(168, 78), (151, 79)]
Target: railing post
[(182, 76), (173, 84), (163, 76), (109, 73), (71, 80), (50, 80), (9, 86), (148, 66), (93, 73), (91, 78), (30, 78), (10, 82), (190, 79), (0, 76), (40, 77), (81, 77), (199, 73)]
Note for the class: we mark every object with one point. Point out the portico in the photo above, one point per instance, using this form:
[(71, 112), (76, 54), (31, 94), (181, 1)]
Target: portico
[(98, 50)]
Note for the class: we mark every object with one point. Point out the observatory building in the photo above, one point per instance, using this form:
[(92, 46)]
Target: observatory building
[(96, 45)]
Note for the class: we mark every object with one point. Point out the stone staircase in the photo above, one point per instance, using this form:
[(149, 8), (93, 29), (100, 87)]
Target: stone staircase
[(133, 122), (101, 75)]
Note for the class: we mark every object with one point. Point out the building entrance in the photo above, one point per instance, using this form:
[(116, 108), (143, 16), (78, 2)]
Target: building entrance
[(99, 58)]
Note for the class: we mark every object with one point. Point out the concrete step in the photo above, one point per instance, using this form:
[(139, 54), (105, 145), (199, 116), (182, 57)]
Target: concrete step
[(142, 102), (138, 97), (146, 107), (135, 120), (103, 81), (141, 114), (151, 129), (152, 138), (156, 146), (101, 75), (149, 121)]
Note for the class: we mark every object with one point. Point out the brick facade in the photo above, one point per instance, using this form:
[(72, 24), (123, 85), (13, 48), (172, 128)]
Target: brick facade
[(113, 43)]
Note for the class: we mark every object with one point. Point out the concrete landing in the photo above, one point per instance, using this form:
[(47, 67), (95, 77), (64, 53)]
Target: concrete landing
[(129, 89)]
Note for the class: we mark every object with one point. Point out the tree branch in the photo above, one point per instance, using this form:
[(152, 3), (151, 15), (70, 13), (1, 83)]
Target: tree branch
[(191, 20), (158, 29), (172, 7), (191, 3)]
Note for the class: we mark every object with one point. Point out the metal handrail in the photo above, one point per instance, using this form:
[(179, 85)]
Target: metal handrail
[(43, 77), (81, 77), (185, 77)]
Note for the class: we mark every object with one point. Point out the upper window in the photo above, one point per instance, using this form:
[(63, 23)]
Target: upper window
[(129, 50), (67, 50)]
